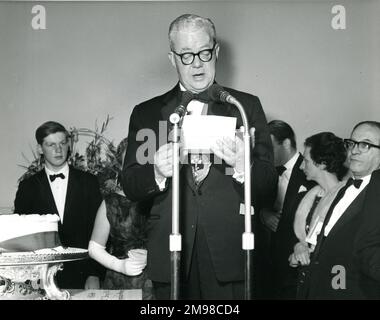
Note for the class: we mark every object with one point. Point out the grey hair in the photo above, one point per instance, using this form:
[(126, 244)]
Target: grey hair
[(191, 21)]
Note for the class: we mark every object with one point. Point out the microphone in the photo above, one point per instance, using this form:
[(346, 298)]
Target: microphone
[(217, 93), (180, 111)]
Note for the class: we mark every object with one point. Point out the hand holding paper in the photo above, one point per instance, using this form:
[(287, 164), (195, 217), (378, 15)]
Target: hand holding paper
[(231, 151), (163, 162)]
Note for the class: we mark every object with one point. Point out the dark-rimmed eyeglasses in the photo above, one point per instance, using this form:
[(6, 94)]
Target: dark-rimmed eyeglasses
[(187, 58), (363, 146)]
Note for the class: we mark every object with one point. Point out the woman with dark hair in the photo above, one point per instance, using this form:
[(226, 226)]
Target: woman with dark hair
[(118, 240), (324, 162)]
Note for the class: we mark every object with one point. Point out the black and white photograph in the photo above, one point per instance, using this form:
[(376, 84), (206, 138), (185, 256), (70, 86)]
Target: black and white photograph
[(212, 151)]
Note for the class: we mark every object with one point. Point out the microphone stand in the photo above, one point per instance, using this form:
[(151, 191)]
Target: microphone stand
[(247, 237), (175, 237)]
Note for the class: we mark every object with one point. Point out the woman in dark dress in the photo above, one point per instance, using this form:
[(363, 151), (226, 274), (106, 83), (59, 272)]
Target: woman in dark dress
[(324, 162), (118, 242)]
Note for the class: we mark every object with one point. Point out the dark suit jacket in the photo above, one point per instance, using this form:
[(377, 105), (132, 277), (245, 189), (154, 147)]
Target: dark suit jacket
[(214, 205), (367, 244), (83, 198), (338, 250), (284, 239)]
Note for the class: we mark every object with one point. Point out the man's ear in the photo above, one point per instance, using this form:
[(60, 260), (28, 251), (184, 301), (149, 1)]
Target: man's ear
[(39, 149), (287, 144), (321, 166), (217, 51), (172, 59)]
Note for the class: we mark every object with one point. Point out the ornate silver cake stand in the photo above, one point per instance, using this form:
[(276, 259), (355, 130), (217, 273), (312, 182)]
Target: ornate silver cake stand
[(31, 275)]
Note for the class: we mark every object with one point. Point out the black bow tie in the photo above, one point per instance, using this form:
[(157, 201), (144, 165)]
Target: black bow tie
[(356, 182), (202, 97), (280, 170), (52, 177)]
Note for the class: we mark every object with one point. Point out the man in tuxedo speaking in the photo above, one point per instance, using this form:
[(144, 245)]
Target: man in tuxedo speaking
[(212, 261), (72, 194)]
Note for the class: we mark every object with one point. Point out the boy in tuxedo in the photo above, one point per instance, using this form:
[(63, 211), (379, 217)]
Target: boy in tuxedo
[(72, 194)]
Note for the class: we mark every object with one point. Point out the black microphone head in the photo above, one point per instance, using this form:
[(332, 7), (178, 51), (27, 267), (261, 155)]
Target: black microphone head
[(217, 93), (180, 111)]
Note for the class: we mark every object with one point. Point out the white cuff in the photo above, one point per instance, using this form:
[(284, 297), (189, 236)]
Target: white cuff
[(238, 176), (161, 185)]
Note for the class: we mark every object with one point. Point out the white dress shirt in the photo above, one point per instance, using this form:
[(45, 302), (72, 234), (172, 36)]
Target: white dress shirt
[(59, 188), (283, 182), (349, 196)]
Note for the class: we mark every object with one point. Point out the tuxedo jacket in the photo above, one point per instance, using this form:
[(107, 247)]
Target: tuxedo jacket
[(34, 196), (349, 252), (367, 242), (214, 206), (284, 239)]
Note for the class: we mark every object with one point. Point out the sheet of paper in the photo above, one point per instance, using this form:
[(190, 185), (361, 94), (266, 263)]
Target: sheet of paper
[(199, 133)]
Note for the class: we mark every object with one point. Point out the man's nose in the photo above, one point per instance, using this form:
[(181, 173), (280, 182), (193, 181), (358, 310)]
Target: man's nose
[(355, 149), (197, 62)]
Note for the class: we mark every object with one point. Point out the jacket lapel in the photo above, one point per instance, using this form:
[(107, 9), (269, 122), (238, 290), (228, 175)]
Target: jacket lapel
[(294, 183), (170, 101), (353, 210), (72, 190), (46, 191), (217, 108)]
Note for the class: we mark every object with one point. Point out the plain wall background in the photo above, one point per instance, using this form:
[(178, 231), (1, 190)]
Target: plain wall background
[(99, 58)]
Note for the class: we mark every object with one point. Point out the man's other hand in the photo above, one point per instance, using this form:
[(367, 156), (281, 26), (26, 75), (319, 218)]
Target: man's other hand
[(270, 219), (163, 162)]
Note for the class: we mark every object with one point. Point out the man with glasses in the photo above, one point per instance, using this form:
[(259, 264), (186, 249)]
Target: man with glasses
[(212, 261), (341, 266)]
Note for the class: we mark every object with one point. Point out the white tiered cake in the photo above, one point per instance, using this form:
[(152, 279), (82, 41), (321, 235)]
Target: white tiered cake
[(33, 238), (20, 233)]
